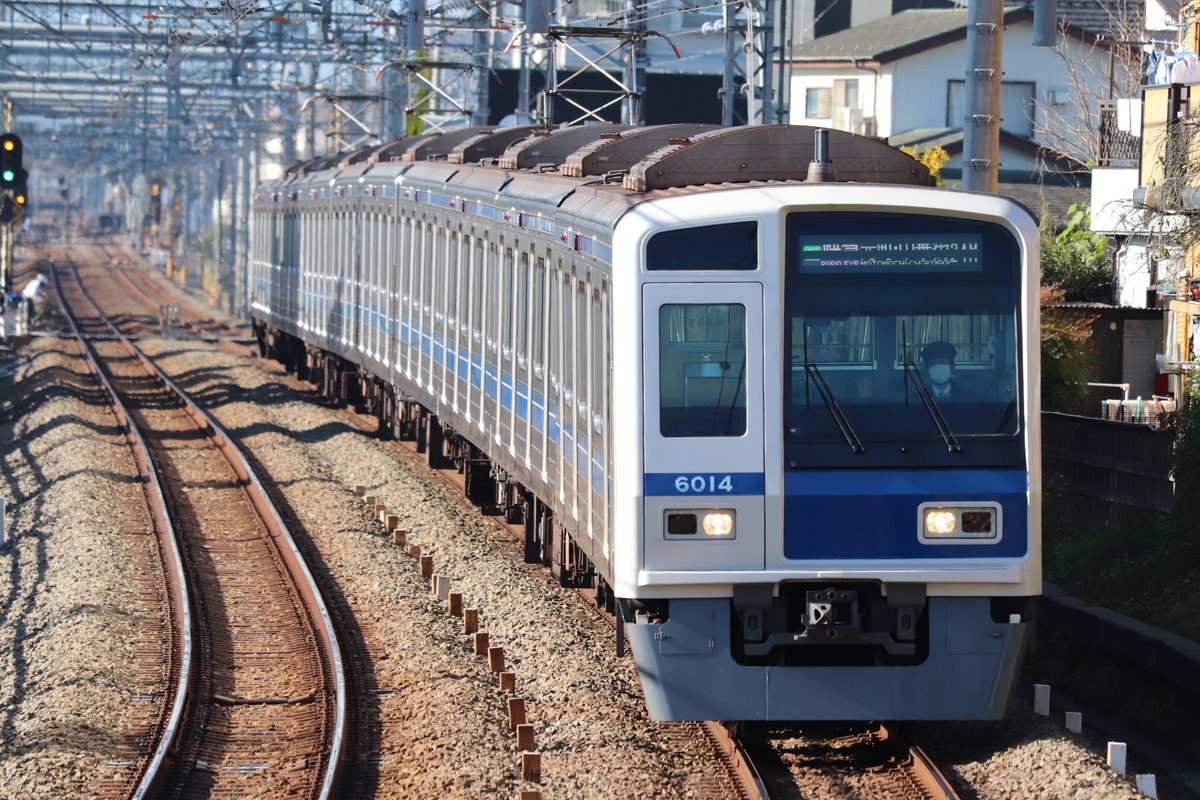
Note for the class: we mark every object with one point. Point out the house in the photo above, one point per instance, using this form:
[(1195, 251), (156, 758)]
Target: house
[(908, 72)]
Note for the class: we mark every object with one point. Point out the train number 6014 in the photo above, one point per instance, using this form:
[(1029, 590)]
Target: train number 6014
[(703, 484)]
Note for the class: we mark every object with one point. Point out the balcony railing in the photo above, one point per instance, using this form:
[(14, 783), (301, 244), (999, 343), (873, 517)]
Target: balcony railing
[(1118, 148)]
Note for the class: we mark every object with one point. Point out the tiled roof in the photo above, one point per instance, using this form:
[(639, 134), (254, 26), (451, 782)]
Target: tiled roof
[(1058, 199), (882, 36), (889, 38)]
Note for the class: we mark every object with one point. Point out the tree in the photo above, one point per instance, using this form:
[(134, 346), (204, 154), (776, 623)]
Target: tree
[(1066, 339), (934, 158), (1097, 65), (1075, 259)]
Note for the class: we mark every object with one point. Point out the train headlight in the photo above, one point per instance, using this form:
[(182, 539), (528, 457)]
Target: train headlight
[(940, 522), (700, 524), (718, 523), (950, 523)]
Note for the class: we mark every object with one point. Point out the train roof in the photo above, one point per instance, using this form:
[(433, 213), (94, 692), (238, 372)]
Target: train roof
[(648, 158), (597, 173)]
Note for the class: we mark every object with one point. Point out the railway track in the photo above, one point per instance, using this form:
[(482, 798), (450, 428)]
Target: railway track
[(254, 704), (751, 765), (747, 779)]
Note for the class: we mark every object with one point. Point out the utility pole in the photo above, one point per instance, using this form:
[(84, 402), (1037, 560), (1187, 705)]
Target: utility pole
[(981, 96)]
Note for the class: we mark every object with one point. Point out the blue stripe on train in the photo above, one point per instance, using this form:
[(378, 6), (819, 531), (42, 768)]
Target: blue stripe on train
[(874, 514), (706, 484)]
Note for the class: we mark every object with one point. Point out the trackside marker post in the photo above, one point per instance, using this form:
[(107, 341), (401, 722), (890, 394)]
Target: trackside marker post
[(1116, 757), (525, 737), (516, 712), (1041, 699), (531, 766), (1147, 785)]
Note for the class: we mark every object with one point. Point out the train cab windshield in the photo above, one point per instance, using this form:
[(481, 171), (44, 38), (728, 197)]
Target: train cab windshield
[(903, 342)]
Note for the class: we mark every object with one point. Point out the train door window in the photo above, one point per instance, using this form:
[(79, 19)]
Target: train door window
[(522, 315), (507, 300), (452, 270), (477, 274), (492, 302), (702, 369), (538, 318), (438, 292), (568, 348)]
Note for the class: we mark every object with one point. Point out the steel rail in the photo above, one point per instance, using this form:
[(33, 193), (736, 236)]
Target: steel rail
[(293, 559), (737, 762), (181, 601), (930, 777)]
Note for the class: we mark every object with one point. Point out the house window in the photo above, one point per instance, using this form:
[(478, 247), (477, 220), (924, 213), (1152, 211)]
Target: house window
[(816, 103), (845, 93)]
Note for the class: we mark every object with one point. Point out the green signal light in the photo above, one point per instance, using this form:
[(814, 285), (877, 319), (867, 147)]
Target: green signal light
[(8, 175)]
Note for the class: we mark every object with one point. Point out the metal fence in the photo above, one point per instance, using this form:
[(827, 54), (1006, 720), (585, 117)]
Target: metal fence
[(1107, 469), (1118, 148)]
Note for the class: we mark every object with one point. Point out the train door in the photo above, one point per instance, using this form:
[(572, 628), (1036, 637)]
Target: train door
[(523, 385), (704, 440), (539, 322), (505, 356)]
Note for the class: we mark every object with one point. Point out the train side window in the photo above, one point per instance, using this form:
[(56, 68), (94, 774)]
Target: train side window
[(539, 317), (506, 298), (702, 369), (569, 348), (477, 275), (731, 246), (522, 315)]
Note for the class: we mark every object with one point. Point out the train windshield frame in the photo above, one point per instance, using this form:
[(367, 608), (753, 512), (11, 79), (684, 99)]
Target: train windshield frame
[(873, 301)]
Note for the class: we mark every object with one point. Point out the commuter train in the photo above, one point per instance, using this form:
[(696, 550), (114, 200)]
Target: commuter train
[(695, 366)]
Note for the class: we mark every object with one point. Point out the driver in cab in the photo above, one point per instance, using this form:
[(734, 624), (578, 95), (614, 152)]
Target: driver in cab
[(937, 359)]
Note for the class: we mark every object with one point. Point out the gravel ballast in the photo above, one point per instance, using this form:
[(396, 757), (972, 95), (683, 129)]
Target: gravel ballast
[(67, 623)]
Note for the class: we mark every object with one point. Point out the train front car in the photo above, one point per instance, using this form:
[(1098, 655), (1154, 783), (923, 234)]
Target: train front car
[(837, 515)]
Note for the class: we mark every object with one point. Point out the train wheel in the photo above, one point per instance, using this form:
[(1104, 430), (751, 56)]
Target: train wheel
[(436, 447)]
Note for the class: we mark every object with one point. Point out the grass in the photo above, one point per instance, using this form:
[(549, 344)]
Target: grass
[(1145, 566)]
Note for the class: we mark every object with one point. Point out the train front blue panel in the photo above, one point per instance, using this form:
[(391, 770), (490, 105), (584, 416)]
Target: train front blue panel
[(850, 515)]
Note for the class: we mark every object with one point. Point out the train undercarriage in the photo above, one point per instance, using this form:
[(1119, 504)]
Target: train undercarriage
[(496, 493)]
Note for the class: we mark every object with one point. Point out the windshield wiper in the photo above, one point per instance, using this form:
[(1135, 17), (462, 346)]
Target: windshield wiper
[(910, 369), (832, 404)]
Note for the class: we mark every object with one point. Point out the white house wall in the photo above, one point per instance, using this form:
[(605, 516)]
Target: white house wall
[(872, 84), (913, 92)]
